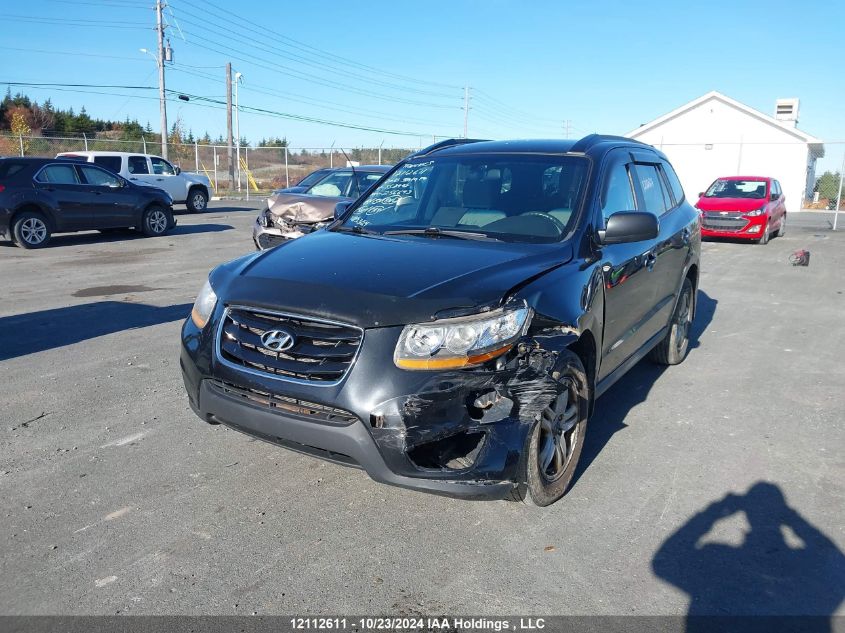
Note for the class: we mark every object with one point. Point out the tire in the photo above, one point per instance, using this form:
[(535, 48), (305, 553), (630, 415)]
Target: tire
[(554, 444), (197, 200), (31, 230), (782, 229), (764, 238), (672, 350), (155, 221)]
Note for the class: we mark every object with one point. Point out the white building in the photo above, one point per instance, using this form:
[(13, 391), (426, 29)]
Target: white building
[(715, 136)]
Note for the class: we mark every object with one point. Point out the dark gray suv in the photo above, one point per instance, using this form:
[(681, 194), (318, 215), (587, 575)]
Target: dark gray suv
[(452, 328)]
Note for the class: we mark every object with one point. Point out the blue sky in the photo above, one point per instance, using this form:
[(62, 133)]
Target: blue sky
[(401, 66)]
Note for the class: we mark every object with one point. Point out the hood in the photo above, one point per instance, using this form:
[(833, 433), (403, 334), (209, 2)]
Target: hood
[(731, 204), (382, 281), (201, 179), (296, 208)]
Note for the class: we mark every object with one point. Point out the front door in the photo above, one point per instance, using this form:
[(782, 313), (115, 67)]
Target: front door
[(627, 270), (111, 202), (166, 178), (62, 189)]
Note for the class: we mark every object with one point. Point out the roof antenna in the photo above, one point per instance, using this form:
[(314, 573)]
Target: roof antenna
[(354, 176)]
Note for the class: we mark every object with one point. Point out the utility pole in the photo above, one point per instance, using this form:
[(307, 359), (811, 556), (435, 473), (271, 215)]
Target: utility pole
[(160, 60), (567, 128), (238, 79), (229, 150), (466, 110)]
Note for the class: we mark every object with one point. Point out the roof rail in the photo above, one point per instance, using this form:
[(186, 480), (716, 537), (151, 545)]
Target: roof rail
[(588, 141), (442, 145)]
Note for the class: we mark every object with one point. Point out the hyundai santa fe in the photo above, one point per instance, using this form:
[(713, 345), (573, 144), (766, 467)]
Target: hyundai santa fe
[(451, 329)]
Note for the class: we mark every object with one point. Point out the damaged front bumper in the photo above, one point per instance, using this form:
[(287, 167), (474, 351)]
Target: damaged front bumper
[(458, 433), (266, 233)]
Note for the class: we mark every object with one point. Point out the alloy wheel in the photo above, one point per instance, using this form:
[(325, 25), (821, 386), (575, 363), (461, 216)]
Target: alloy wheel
[(33, 231), (157, 221), (198, 201), (681, 326), (558, 434)]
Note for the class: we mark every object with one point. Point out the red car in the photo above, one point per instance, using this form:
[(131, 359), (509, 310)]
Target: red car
[(743, 207)]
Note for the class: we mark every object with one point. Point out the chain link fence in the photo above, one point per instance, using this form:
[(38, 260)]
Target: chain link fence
[(262, 169)]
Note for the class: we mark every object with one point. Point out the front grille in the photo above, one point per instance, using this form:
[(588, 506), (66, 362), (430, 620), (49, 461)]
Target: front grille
[(269, 240), (286, 404), (321, 353), (728, 222)]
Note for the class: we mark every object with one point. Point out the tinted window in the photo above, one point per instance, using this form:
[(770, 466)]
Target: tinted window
[(674, 183), (98, 177), (138, 165), (655, 198), (511, 197), (617, 194), (10, 168), (162, 167), (58, 174), (112, 163)]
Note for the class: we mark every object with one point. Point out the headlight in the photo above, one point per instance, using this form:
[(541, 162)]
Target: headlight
[(460, 342), (756, 212), (204, 305)]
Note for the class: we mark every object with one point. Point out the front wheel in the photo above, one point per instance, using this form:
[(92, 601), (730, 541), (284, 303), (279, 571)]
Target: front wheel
[(672, 350), (155, 222), (31, 230), (764, 238), (197, 200), (557, 437), (782, 229)]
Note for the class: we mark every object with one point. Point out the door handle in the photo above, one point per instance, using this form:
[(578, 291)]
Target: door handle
[(650, 260)]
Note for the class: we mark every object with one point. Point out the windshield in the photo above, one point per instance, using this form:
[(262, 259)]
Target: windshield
[(521, 197), (724, 188), (333, 185), (312, 178)]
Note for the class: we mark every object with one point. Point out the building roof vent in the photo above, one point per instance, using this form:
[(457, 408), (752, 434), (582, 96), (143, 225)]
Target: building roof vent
[(786, 111)]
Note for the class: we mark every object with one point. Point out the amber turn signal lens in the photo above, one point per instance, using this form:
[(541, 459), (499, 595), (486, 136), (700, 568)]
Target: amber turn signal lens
[(450, 363)]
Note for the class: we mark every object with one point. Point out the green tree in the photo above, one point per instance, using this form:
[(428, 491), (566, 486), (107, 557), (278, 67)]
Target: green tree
[(827, 185)]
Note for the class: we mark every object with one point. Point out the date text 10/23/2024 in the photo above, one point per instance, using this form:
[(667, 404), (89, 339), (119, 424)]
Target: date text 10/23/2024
[(494, 625)]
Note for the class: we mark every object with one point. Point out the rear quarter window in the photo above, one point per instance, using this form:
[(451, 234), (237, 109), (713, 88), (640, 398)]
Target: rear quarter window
[(674, 183), (8, 169)]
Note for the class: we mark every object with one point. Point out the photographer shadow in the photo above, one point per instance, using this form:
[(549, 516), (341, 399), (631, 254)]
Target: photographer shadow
[(785, 569)]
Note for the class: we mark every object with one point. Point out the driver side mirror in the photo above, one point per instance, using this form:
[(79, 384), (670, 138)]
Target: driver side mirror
[(629, 226), (340, 208), (700, 194), (178, 170)]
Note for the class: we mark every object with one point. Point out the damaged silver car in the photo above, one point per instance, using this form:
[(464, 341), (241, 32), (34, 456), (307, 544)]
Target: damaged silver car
[(290, 215), (451, 329)]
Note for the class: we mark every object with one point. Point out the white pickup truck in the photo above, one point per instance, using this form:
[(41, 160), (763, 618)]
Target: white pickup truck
[(192, 190)]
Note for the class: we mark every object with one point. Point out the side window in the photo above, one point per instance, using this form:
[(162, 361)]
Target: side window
[(138, 165), (112, 163), (98, 177), (674, 182), (777, 188), (655, 197), (162, 167), (58, 174), (617, 194)]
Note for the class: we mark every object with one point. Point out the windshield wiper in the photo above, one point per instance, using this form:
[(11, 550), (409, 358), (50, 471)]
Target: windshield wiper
[(434, 231), (360, 230)]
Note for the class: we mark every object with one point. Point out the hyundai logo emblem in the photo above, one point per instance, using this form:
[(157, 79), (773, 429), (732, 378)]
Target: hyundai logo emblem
[(277, 340)]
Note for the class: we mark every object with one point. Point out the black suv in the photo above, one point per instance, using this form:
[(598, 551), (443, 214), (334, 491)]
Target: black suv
[(451, 329), (42, 196)]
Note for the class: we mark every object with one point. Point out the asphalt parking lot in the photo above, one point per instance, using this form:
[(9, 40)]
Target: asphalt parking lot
[(711, 487)]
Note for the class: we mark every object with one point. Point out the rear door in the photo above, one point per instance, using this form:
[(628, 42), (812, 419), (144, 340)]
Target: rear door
[(60, 183), (112, 203), (627, 270), (673, 241)]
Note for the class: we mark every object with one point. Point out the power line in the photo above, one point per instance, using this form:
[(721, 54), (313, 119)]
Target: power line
[(263, 31)]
